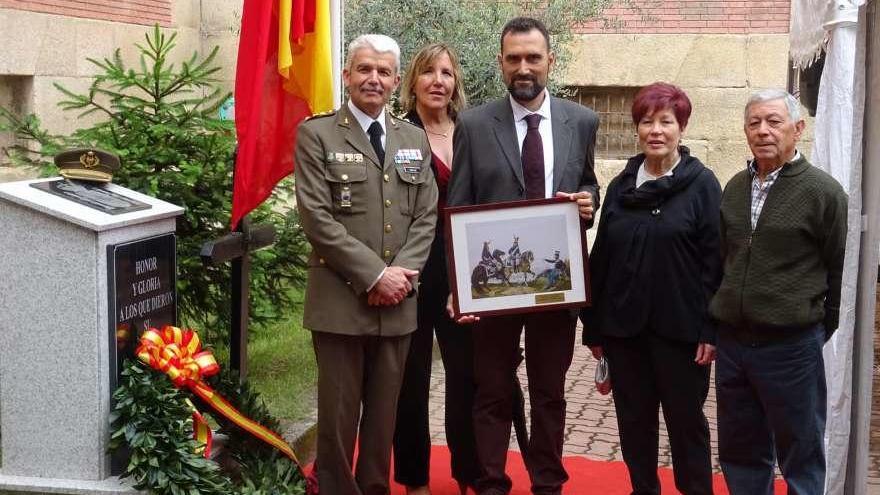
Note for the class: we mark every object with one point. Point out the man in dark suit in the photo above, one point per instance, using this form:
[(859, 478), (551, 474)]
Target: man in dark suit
[(367, 200), (527, 146)]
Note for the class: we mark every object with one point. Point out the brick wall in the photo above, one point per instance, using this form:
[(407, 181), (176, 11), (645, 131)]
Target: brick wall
[(147, 12), (693, 16)]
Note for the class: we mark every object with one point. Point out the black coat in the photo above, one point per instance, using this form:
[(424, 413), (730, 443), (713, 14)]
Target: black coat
[(656, 261)]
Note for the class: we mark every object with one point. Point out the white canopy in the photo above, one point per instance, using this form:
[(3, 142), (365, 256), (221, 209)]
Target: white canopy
[(839, 28)]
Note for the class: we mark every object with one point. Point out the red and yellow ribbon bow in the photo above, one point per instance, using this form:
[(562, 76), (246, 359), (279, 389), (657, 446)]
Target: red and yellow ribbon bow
[(178, 353)]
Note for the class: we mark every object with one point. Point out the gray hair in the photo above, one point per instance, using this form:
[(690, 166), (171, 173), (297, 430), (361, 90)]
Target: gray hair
[(791, 103), (377, 42)]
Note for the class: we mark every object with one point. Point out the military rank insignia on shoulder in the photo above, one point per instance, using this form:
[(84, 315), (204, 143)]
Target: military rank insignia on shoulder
[(322, 114)]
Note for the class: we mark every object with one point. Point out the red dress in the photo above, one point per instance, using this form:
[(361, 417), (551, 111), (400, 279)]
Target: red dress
[(442, 173)]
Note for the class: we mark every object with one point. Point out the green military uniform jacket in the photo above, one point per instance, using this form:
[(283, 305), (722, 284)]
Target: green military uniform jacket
[(360, 216)]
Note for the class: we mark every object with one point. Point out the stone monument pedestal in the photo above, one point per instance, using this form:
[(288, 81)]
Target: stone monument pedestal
[(56, 324)]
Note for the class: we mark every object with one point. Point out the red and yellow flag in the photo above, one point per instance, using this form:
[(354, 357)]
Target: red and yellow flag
[(284, 74)]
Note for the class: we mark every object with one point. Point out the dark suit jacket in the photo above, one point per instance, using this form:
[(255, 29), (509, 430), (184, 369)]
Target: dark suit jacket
[(486, 163)]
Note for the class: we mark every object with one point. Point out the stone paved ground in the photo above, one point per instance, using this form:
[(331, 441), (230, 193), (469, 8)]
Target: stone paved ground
[(591, 424)]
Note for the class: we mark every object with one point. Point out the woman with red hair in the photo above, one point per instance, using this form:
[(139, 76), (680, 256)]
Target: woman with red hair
[(655, 265)]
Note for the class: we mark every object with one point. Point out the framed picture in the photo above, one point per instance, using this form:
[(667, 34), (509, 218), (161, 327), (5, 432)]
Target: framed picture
[(517, 257)]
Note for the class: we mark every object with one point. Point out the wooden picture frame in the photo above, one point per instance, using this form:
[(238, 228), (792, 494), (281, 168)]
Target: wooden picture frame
[(490, 276)]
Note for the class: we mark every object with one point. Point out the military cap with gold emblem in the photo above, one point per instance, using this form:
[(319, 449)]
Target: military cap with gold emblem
[(87, 164)]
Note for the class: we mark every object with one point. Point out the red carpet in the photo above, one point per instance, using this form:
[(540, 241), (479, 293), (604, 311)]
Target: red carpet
[(587, 477)]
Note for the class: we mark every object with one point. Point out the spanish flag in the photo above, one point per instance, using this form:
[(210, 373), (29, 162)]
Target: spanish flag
[(284, 74)]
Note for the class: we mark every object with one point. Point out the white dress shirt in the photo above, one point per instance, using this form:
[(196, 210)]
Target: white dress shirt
[(545, 128), (365, 120)]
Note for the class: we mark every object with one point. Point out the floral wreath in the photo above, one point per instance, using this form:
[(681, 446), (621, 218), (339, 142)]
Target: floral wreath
[(169, 442)]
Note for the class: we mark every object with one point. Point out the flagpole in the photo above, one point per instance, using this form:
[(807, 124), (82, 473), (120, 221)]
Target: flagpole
[(336, 30)]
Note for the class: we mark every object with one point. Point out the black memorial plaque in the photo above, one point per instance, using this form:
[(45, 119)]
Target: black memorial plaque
[(142, 282), (142, 278), (93, 195)]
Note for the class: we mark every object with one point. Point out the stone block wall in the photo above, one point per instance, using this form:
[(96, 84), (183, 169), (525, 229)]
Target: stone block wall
[(127, 11), (718, 51), (220, 26), (695, 16), (718, 72), (48, 42)]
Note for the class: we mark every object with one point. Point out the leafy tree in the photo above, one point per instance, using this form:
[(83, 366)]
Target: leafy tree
[(162, 121), (472, 29)]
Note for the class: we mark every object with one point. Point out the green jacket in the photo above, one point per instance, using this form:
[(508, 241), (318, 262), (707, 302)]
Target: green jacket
[(360, 216), (787, 272)]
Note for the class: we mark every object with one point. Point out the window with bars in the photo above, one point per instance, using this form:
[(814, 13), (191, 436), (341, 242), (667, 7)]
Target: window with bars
[(617, 137)]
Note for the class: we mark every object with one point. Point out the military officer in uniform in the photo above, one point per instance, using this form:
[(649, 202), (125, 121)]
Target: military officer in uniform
[(367, 201)]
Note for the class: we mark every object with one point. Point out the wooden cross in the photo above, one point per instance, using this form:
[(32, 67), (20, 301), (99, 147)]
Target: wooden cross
[(235, 248)]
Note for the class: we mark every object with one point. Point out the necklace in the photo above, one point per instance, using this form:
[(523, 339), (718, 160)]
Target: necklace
[(444, 135)]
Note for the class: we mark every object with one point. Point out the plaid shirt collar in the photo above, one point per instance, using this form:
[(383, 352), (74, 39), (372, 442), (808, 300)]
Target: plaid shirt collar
[(760, 189), (753, 168)]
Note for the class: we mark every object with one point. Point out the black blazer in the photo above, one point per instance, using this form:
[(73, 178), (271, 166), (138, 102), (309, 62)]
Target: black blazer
[(656, 261)]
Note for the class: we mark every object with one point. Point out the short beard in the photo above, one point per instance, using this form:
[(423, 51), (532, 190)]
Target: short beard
[(525, 94)]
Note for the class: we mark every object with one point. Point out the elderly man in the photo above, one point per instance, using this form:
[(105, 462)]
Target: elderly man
[(530, 145), (367, 200), (783, 229)]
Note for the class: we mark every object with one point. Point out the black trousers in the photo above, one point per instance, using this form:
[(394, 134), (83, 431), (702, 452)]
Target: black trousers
[(648, 371), (549, 342), (412, 442)]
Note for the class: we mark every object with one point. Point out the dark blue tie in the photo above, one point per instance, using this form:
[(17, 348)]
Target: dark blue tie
[(375, 132), (533, 158)]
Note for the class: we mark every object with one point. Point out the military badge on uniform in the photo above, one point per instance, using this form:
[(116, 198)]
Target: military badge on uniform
[(340, 157), (408, 155), (345, 197)]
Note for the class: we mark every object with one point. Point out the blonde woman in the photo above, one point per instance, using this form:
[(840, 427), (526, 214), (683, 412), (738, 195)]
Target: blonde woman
[(432, 94)]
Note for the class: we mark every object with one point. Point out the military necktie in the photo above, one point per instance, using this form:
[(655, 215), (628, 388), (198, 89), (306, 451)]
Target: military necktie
[(375, 132), (533, 158)]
